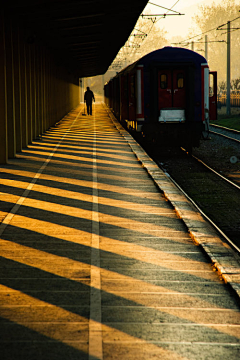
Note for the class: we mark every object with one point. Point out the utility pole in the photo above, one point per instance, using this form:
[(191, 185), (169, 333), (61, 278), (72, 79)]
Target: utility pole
[(206, 47), (192, 45), (228, 68)]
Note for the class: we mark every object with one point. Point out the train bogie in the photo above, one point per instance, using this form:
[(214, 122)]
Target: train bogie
[(165, 96)]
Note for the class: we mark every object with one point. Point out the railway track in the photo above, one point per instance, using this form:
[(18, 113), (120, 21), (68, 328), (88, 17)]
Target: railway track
[(234, 244), (230, 134), (207, 183)]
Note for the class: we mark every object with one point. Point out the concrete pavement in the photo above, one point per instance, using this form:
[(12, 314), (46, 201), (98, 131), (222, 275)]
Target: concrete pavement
[(95, 261)]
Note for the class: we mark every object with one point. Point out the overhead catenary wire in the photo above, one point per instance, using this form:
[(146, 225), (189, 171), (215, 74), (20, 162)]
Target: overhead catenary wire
[(149, 31), (218, 28), (162, 7), (162, 16), (207, 31)]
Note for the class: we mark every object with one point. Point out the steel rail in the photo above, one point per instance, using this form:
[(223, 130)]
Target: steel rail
[(225, 136), (214, 171), (225, 128), (198, 208)]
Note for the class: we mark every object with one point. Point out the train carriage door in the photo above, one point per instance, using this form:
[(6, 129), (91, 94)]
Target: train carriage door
[(172, 88), (132, 97), (213, 95), (164, 89), (179, 88)]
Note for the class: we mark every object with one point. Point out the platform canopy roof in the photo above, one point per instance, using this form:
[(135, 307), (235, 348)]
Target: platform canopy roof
[(85, 35)]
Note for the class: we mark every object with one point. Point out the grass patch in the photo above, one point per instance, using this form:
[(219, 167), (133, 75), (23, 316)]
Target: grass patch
[(229, 121)]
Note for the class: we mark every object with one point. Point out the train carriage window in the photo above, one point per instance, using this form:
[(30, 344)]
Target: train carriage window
[(180, 81), (163, 81)]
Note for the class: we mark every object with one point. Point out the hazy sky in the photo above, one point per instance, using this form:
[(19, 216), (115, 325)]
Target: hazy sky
[(179, 25)]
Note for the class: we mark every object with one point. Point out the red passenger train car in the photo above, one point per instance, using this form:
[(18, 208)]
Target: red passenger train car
[(165, 96)]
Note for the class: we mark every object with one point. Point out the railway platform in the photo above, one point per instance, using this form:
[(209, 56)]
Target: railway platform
[(102, 257)]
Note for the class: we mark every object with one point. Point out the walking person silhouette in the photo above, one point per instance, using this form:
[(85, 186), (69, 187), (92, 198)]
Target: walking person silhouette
[(88, 98)]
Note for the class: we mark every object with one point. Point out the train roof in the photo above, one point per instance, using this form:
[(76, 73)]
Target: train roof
[(168, 55)]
